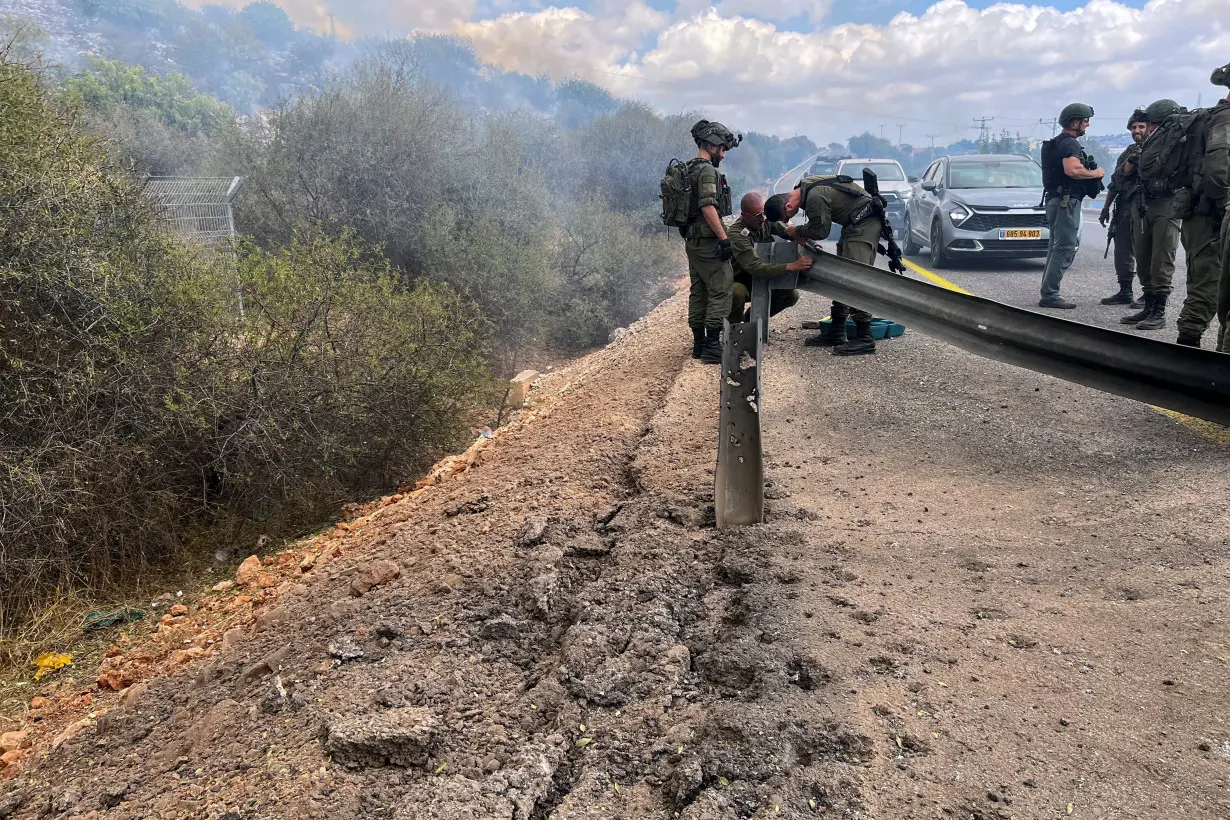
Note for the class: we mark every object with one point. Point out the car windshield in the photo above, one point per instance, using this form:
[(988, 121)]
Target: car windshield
[(1006, 174), (885, 171)]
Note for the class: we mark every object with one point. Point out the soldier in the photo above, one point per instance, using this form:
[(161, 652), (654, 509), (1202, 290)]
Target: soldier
[(1155, 235), (750, 228), (1216, 187), (828, 199), (707, 245), (1122, 193), (1202, 243), (1064, 182)]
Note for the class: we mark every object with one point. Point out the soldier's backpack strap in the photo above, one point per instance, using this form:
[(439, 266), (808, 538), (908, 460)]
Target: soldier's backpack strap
[(841, 182)]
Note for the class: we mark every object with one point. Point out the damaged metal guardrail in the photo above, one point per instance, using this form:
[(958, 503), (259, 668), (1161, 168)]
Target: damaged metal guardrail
[(1187, 380)]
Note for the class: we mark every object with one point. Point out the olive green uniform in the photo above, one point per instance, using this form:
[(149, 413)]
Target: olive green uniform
[(1201, 233), (711, 278), (1155, 238), (1217, 188), (1125, 185), (849, 206), (748, 266)]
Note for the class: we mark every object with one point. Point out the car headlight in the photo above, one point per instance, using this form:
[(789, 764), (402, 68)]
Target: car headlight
[(959, 213)]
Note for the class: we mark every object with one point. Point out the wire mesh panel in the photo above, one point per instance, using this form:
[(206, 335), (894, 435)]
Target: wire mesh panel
[(197, 208)]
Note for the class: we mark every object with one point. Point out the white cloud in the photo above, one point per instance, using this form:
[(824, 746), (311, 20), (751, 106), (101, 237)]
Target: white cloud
[(934, 71)]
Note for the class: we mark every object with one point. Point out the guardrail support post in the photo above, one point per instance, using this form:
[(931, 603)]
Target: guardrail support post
[(739, 485)]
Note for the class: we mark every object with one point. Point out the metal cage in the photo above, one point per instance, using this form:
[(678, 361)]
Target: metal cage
[(197, 208)]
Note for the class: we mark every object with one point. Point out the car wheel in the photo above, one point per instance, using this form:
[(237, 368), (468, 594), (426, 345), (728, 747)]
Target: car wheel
[(910, 245), (939, 259)]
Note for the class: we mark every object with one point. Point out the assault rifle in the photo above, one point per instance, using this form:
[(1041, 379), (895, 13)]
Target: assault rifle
[(871, 184), (1089, 187), (1110, 229)]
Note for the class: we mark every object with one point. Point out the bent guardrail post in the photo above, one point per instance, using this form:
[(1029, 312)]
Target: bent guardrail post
[(738, 496), (1184, 379)]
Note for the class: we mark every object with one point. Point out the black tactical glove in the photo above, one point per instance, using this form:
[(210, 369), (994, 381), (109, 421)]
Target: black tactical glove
[(726, 251)]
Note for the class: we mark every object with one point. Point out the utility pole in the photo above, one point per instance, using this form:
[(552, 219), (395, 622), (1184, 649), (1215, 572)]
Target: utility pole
[(933, 136), (984, 132), (881, 130), (900, 128), (1054, 124)]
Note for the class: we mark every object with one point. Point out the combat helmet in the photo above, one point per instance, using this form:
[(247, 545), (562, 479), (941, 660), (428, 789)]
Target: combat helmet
[(1158, 111), (715, 133), (1074, 111), (1221, 76), (1138, 115)]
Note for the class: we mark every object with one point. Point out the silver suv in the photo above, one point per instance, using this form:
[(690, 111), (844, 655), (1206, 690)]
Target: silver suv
[(894, 186), (978, 205)]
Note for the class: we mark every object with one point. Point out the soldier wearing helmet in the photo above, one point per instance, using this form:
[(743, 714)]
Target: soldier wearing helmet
[(708, 248), (1155, 234), (1065, 177), (1217, 190), (1121, 195)]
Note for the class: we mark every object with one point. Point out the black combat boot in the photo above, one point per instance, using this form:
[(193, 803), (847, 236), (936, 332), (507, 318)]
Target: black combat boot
[(1123, 297), (1156, 320), (1138, 303), (698, 341), (1143, 314), (862, 343), (834, 336), (711, 353), (1187, 339)]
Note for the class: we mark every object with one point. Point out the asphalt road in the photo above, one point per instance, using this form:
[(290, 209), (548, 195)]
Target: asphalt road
[(1016, 282)]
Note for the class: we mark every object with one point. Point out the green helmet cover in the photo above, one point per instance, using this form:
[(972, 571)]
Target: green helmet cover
[(1158, 111), (1221, 76), (715, 133), (1074, 111)]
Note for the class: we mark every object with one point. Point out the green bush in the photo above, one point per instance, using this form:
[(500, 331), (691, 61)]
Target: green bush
[(147, 392)]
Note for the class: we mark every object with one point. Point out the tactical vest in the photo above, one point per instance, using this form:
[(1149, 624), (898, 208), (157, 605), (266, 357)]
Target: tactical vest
[(725, 201), (846, 185)]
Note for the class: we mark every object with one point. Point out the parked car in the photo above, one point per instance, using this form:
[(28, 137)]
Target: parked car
[(978, 206), (894, 187)]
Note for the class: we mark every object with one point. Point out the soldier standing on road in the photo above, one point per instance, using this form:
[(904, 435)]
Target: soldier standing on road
[(1202, 242), (828, 199), (1122, 194), (1064, 181), (1217, 187), (1155, 235), (707, 245), (750, 228)]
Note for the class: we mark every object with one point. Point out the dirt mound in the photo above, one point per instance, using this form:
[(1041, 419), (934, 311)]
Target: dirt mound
[(556, 632)]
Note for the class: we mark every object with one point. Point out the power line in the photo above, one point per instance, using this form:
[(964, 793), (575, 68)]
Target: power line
[(984, 132), (933, 136)]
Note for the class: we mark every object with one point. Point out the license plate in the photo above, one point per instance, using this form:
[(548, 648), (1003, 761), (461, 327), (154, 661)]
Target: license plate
[(1020, 233)]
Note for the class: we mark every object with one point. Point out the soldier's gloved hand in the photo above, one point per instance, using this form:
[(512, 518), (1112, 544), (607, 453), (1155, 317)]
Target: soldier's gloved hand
[(1104, 217), (726, 251)]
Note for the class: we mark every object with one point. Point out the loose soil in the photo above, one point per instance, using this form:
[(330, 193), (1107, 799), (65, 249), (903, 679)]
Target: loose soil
[(552, 627)]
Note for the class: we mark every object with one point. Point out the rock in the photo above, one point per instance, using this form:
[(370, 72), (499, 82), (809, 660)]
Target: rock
[(685, 783), (223, 586), (12, 758), (491, 765), (37, 703), (130, 696), (345, 649), (503, 628), (13, 740), (268, 665), (177, 610), (70, 732), (519, 388), (10, 803), (616, 334), (531, 532), (112, 795), (372, 576), (309, 561), (266, 581), (230, 638), (395, 737), (248, 571)]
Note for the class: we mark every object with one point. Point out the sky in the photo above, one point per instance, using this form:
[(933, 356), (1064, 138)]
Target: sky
[(905, 69)]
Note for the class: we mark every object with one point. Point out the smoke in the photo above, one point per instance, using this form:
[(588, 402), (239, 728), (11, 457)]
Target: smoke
[(348, 19)]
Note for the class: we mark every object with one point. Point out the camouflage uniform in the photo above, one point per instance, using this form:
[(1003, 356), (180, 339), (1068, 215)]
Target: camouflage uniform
[(1124, 185), (849, 206), (1201, 234), (1155, 238), (711, 278), (748, 266), (1217, 189)]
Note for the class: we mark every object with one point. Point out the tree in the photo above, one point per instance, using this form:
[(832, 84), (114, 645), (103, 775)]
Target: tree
[(271, 25), (867, 144), (579, 103)]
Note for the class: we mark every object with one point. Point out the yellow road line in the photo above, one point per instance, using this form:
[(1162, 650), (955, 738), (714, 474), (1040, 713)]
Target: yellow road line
[(1204, 429), (935, 279)]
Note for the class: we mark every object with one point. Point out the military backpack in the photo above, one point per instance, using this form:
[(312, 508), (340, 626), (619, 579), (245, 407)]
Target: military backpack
[(1173, 152), (678, 195)]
